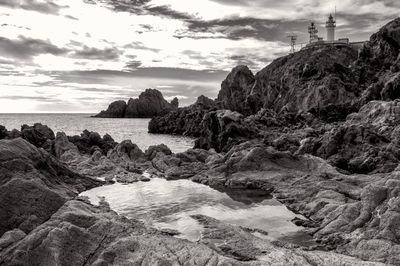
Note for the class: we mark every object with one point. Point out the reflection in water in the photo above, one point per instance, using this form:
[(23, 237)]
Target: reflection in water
[(169, 204)]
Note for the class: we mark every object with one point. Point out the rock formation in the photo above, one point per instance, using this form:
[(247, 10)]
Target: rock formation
[(149, 104), (184, 121), (34, 185)]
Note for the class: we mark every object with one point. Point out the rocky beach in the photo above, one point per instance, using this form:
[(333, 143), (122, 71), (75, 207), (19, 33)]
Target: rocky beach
[(318, 130)]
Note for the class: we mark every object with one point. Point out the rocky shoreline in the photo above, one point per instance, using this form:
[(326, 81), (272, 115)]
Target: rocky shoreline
[(319, 130), (55, 226)]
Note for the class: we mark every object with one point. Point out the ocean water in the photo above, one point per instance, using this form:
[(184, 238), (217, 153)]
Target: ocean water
[(119, 129), (170, 204)]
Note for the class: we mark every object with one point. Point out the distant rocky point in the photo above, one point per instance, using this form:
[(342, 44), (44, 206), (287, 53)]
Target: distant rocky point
[(149, 104)]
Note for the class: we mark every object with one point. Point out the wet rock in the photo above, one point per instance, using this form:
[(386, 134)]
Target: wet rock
[(128, 178)]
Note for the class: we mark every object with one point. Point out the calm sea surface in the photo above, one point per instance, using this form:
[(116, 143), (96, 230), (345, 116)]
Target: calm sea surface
[(119, 129)]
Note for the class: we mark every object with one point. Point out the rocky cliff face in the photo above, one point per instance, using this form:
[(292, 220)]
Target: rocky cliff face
[(309, 79), (149, 104), (184, 121)]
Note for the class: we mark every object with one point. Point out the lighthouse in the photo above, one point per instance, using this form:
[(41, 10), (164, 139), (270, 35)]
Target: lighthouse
[(330, 29)]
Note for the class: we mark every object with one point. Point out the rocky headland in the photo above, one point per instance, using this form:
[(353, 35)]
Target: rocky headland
[(318, 130), (149, 104)]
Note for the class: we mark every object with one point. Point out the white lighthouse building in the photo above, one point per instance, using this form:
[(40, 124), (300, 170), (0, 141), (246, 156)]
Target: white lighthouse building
[(330, 29), (330, 25)]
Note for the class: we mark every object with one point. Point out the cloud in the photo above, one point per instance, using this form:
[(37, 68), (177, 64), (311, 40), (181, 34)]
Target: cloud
[(25, 48), (31, 98), (94, 76), (44, 6), (133, 65), (97, 54)]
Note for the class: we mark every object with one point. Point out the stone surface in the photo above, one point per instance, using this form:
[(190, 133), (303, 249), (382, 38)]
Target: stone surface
[(33, 185), (184, 121), (88, 142)]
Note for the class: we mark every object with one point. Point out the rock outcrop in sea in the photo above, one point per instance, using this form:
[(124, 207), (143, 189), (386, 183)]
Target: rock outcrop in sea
[(149, 104)]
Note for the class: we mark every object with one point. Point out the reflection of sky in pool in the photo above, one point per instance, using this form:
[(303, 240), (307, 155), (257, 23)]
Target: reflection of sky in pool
[(169, 204)]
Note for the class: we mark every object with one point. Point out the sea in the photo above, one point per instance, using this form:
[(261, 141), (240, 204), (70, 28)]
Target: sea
[(120, 129)]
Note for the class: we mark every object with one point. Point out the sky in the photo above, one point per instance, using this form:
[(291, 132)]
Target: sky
[(80, 55)]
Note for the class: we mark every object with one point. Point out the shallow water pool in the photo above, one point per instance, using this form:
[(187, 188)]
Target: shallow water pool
[(169, 204)]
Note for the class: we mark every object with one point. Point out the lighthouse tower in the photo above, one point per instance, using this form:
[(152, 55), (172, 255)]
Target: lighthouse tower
[(330, 29)]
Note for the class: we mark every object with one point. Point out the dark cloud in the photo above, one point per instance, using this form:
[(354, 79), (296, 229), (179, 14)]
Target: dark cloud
[(151, 72), (144, 7), (236, 28), (25, 48), (47, 6), (71, 17), (133, 65), (106, 54)]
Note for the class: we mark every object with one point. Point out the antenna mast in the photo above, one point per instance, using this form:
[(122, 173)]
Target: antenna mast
[(293, 39)]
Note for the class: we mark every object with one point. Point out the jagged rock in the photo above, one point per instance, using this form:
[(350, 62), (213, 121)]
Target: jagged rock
[(223, 129), (235, 88), (175, 103), (125, 151), (3, 132), (184, 121), (149, 104), (152, 151), (38, 135), (88, 142), (34, 185)]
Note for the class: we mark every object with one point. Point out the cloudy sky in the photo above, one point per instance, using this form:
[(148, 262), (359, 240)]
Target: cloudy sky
[(79, 55)]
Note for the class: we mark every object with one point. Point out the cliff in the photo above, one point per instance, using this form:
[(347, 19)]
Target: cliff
[(149, 104)]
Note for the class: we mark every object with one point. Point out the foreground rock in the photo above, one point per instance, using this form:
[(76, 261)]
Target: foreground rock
[(149, 104), (33, 185), (352, 213), (80, 234)]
